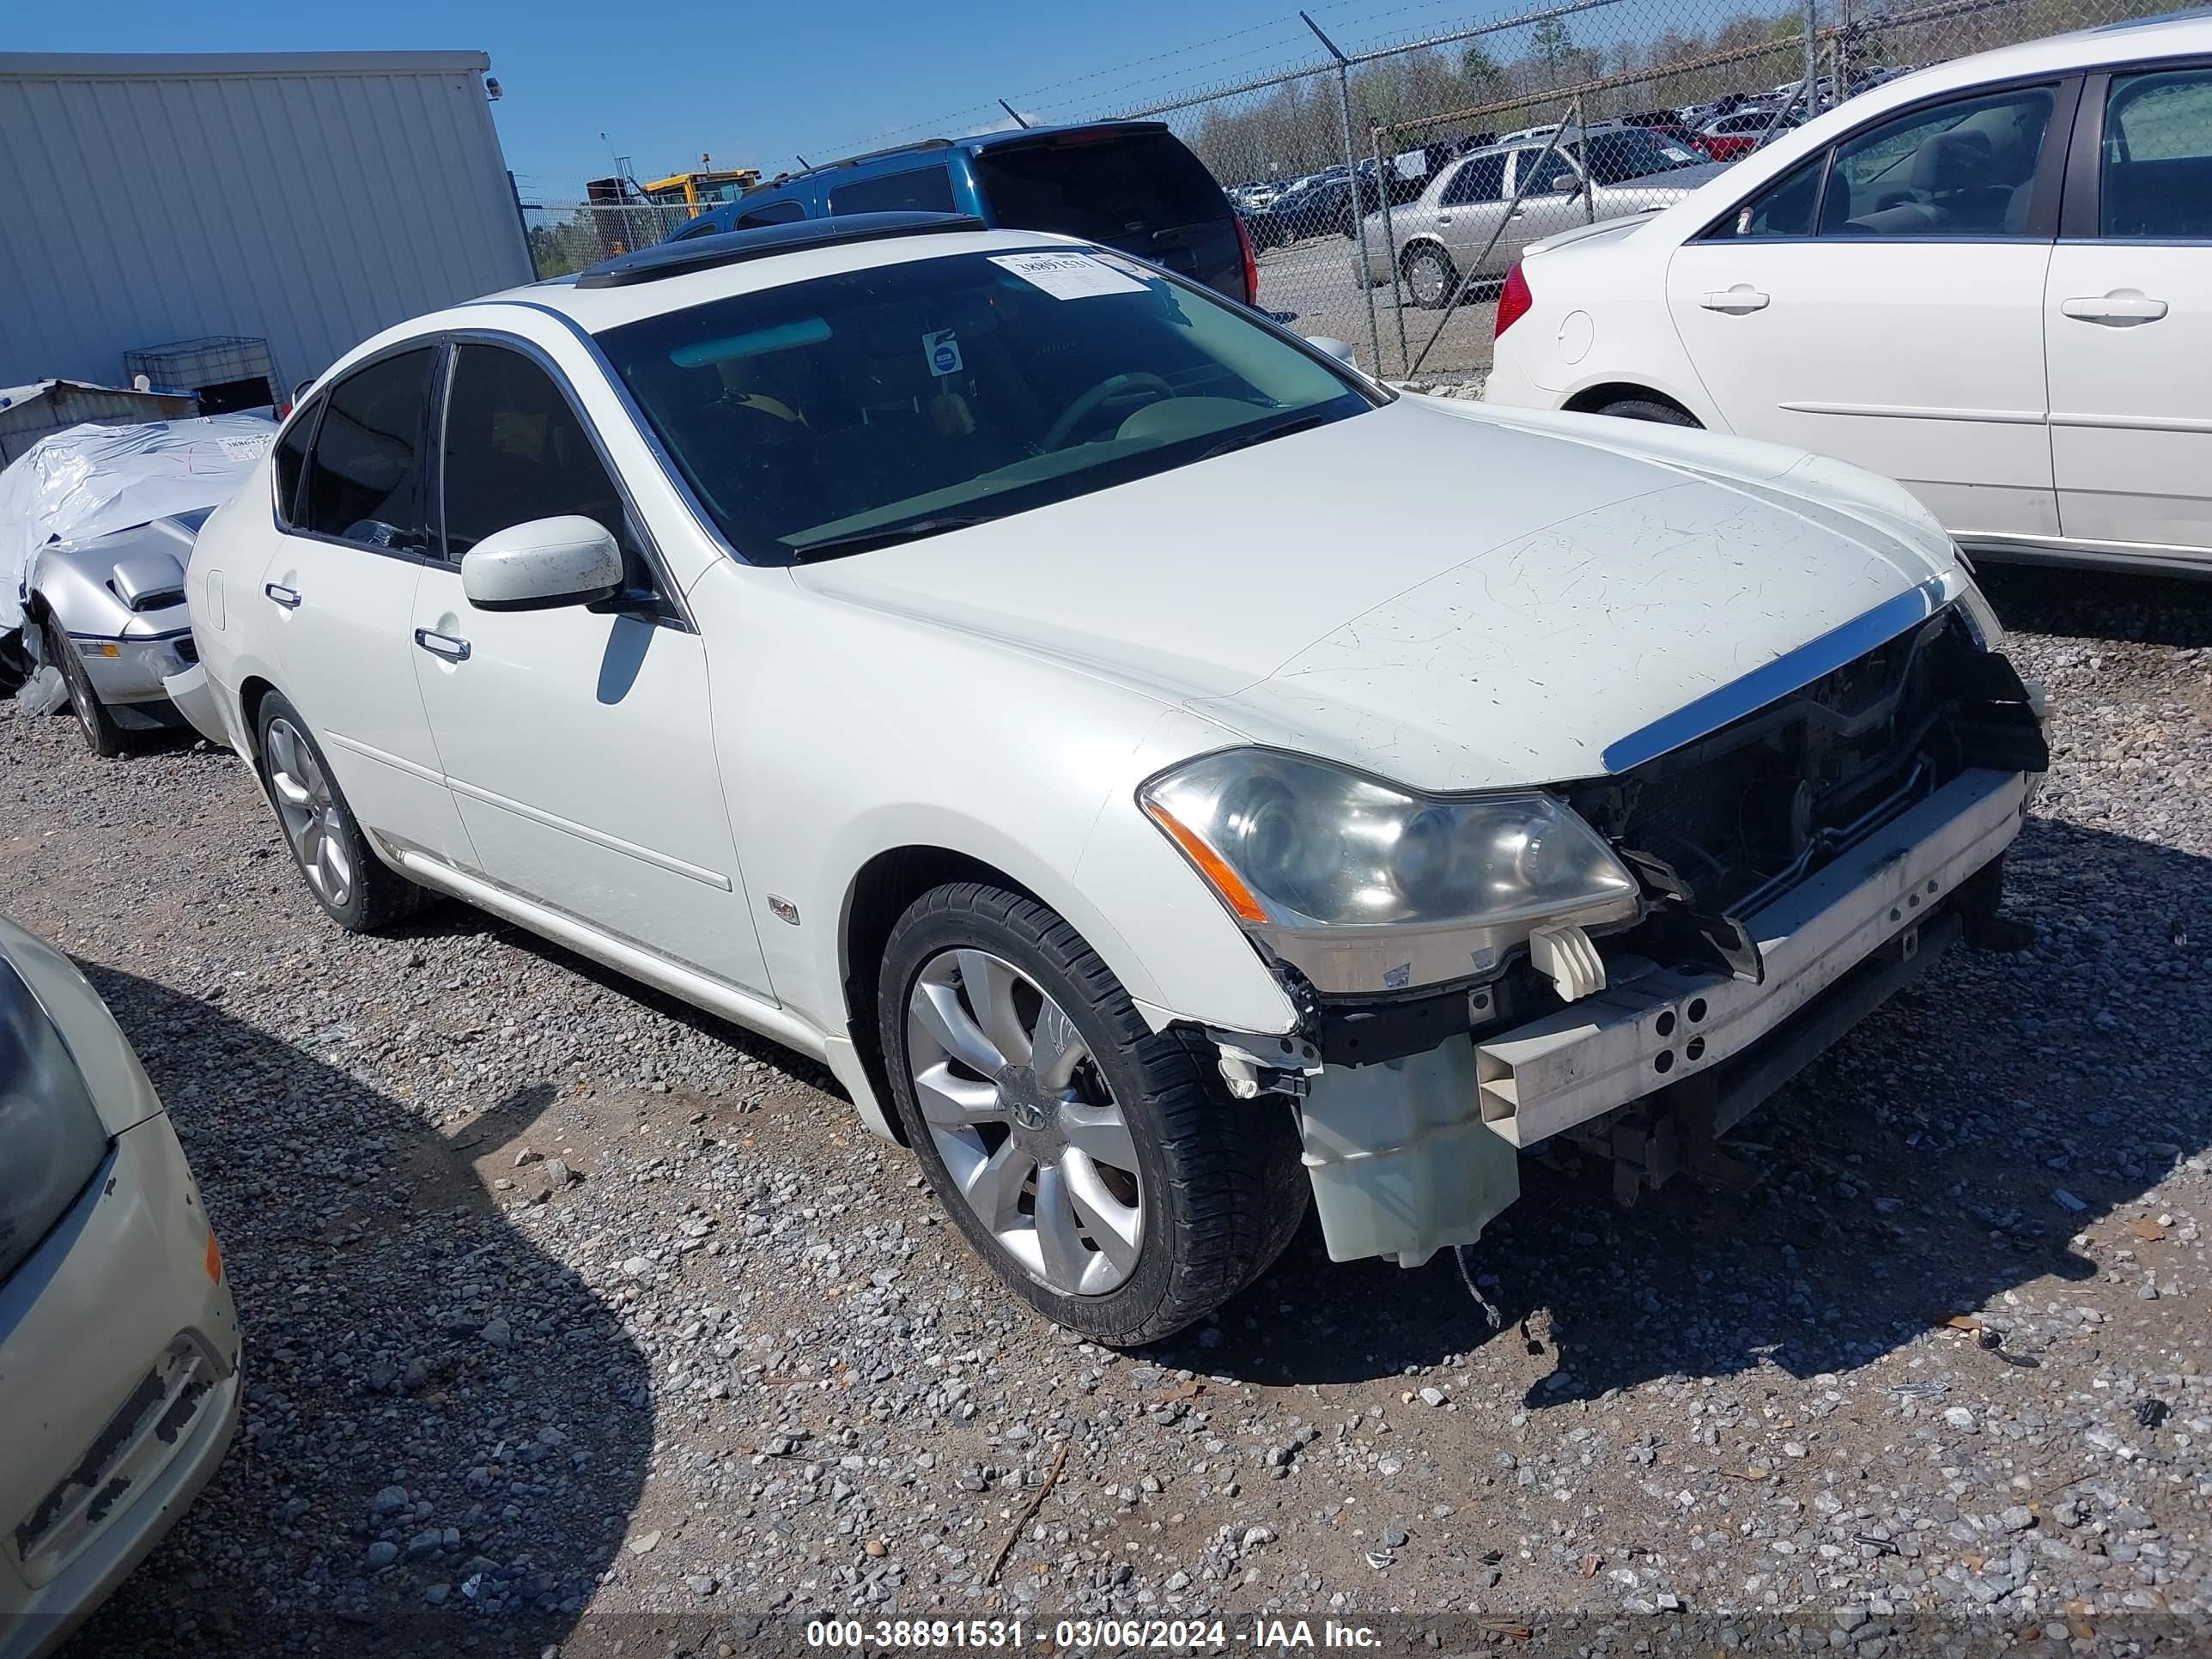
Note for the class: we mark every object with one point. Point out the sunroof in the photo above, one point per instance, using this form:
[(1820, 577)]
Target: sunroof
[(735, 247)]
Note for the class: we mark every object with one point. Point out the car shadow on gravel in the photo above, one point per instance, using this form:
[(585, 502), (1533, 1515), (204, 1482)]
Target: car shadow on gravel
[(2093, 604), (1947, 1152), (445, 1431)]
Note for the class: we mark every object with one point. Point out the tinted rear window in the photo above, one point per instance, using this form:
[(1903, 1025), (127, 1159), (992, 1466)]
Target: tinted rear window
[(1101, 190)]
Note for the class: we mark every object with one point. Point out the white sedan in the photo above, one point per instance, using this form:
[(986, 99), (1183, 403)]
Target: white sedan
[(859, 629), (1991, 280), (119, 1379)]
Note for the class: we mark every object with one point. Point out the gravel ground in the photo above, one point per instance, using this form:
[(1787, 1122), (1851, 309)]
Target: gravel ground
[(574, 1318)]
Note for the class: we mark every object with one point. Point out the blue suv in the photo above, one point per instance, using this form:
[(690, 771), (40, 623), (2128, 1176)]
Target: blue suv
[(1127, 185)]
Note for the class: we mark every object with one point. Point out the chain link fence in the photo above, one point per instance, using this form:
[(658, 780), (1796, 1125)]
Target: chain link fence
[(570, 237), (1387, 189)]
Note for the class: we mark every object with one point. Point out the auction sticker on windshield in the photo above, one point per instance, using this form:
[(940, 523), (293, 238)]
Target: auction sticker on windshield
[(1066, 275)]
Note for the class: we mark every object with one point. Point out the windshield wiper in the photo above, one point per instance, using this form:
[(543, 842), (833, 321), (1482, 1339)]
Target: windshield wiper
[(1280, 429), (860, 541)]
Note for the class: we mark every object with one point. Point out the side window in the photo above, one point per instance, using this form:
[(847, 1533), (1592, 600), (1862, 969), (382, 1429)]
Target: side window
[(292, 462), (365, 474), (918, 190), (1961, 169), (2157, 161), (771, 213), (1554, 172), (702, 226), (1482, 179), (516, 450), (1782, 209)]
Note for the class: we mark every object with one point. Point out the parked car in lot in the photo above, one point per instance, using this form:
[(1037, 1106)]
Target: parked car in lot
[(830, 625), (96, 524), (1466, 223), (1129, 185), (119, 1343), (1990, 279), (1732, 136), (1322, 208)]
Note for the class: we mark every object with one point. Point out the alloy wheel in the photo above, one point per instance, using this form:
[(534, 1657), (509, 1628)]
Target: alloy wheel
[(1022, 1117), (1426, 273), (313, 821)]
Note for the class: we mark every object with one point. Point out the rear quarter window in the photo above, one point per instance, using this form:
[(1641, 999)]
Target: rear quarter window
[(916, 190), (1099, 190)]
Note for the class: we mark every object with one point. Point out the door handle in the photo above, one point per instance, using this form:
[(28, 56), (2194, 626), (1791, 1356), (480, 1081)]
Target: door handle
[(1736, 301), (442, 645), (1517, 213), (2121, 308), (1444, 218), (287, 596)]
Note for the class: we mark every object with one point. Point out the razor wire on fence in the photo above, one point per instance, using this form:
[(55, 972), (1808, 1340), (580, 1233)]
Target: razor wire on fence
[(1387, 189)]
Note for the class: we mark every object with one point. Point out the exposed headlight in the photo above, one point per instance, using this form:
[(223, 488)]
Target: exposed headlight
[(51, 1140), (1981, 616), (1369, 886)]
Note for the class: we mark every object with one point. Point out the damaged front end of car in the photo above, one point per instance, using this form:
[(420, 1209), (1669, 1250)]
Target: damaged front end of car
[(1641, 962)]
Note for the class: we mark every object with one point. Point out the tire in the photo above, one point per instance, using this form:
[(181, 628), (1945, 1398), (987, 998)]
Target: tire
[(1216, 1191), (1430, 275), (102, 734), (1647, 409), (355, 889)]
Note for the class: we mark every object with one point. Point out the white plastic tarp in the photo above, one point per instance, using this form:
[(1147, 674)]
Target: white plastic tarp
[(91, 480)]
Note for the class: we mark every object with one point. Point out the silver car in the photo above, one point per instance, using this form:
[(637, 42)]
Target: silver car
[(109, 612), (1467, 223)]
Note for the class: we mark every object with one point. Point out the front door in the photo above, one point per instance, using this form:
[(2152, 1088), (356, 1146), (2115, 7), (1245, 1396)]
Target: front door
[(2128, 321), (1883, 303), (577, 741), (353, 540)]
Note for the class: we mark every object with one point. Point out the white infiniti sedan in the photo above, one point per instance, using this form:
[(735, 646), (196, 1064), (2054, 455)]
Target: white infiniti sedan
[(1991, 280), (859, 630)]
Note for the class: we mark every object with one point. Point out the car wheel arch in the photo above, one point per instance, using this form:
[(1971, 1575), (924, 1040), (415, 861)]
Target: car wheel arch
[(252, 691), (1592, 398), (882, 891)]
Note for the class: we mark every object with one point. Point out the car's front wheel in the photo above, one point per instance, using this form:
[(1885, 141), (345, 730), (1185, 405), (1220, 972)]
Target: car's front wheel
[(102, 733), (355, 890), (1094, 1163)]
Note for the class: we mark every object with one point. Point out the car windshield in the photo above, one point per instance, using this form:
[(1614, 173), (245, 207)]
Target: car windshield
[(880, 405), (1635, 152)]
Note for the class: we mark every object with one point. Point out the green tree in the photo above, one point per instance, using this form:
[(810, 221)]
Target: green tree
[(1481, 72), (1553, 43)]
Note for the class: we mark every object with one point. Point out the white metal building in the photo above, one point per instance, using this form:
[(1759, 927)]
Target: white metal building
[(306, 199)]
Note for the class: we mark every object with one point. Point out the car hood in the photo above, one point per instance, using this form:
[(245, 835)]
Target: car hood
[(1449, 596)]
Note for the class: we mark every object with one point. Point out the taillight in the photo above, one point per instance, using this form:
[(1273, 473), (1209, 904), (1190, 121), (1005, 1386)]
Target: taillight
[(1251, 264), (1513, 300)]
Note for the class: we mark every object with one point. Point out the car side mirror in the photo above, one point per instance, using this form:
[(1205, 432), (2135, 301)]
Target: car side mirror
[(1340, 350), (542, 564)]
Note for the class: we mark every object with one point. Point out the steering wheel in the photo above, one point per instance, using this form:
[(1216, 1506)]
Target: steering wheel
[(1092, 402)]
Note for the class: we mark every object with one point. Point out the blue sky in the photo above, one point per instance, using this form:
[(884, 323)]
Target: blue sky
[(667, 79)]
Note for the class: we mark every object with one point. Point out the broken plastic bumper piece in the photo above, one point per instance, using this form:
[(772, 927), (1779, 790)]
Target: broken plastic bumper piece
[(1642, 1035), (1419, 1153)]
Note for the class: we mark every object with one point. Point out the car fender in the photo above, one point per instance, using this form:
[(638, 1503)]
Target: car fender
[(827, 766)]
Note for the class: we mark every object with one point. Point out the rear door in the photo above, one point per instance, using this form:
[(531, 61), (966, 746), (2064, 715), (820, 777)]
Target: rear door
[(339, 596), (1140, 190), (2128, 314), (1882, 303), (1471, 207)]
